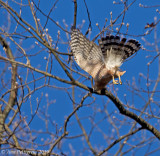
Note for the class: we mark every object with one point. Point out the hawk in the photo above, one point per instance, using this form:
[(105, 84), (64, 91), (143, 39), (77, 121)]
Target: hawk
[(102, 61)]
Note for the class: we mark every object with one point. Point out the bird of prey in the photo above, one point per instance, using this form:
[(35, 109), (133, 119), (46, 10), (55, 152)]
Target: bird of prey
[(102, 61)]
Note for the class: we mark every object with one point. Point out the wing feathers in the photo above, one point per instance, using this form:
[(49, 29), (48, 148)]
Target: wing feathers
[(111, 52), (86, 53)]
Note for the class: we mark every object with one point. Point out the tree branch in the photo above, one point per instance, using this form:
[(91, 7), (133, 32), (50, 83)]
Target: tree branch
[(13, 93), (118, 140), (75, 13)]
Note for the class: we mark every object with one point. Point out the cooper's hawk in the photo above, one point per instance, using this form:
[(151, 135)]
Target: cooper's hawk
[(102, 62)]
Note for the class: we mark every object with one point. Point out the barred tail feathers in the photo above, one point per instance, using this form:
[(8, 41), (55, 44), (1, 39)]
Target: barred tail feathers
[(116, 50)]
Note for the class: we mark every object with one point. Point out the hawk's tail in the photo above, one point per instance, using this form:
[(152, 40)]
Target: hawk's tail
[(120, 46)]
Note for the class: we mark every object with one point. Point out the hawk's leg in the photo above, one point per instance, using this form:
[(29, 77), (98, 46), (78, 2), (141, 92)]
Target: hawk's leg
[(120, 82), (114, 81), (119, 74)]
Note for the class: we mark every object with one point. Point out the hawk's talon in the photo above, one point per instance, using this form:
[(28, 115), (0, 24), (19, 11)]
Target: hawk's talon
[(119, 74), (120, 82), (115, 81)]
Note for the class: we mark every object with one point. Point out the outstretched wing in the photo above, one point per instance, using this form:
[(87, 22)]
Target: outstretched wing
[(86, 53), (116, 50)]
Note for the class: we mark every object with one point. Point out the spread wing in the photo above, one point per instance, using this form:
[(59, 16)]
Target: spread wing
[(86, 53), (116, 50)]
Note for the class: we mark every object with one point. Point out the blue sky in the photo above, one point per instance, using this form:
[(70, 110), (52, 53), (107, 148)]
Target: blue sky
[(61, 105)]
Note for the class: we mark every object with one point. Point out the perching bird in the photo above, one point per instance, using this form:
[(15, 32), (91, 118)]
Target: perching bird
[(102, 62)]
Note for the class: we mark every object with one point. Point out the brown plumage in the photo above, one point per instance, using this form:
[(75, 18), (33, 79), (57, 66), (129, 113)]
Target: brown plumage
[(102, 62)]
